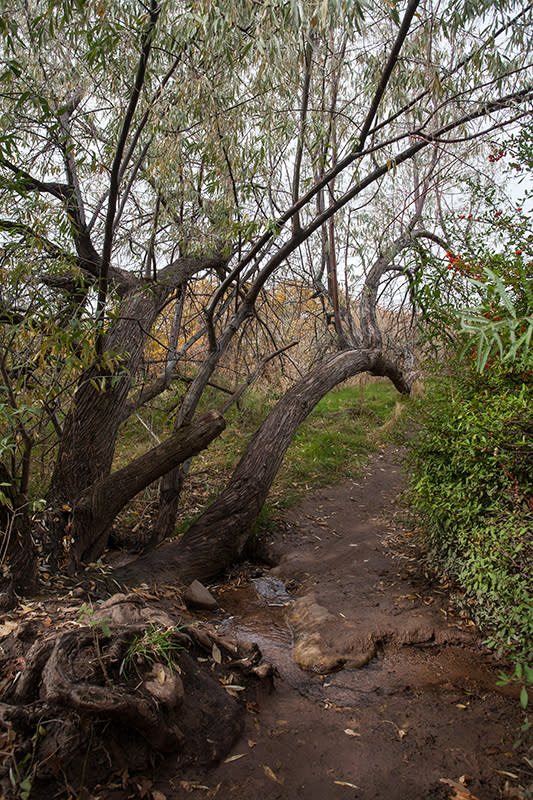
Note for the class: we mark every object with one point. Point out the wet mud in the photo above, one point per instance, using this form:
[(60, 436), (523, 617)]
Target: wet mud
[(383, 688)]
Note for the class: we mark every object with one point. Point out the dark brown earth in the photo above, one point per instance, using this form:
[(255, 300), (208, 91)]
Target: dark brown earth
[(399, 698), (393, 695)]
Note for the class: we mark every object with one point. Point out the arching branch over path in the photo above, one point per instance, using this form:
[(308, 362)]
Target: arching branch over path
[(218, 537)]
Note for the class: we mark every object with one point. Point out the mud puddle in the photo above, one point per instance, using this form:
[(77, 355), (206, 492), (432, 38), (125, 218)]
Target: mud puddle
[(257, 612)]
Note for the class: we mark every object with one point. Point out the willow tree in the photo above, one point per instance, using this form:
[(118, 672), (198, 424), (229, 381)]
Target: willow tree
[(188, 152)]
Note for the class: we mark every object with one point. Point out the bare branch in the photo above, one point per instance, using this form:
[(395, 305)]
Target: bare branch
[(115, 169), (251, 378)]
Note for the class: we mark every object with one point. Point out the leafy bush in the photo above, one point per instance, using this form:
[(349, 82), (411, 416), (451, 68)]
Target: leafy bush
[(472, 452), (472, 489)]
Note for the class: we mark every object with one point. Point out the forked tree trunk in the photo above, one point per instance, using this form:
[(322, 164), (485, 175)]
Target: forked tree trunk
[(87, 445), (97, 506), (218, 537)]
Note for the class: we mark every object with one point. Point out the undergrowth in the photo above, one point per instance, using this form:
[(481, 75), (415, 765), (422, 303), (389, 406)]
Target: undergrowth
[(472, 494)]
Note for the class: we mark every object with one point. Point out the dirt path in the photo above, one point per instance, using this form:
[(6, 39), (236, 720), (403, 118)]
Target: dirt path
[(398, 694)]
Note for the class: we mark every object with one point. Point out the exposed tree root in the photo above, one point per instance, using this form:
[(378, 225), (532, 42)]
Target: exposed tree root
[(88, 703)]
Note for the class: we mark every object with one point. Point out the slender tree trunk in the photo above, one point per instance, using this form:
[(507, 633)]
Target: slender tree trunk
[(217, 538), (18, 561)]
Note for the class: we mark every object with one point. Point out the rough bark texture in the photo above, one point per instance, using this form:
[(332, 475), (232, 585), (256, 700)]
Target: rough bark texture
[(97, 507), (18, 563), (217, 538), (102, 699), (89, 435), (90, 431)]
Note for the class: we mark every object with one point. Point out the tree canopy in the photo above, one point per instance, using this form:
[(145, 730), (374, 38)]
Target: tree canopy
[(164, 168)]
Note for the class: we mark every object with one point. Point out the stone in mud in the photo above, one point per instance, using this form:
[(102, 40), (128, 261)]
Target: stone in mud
[(130, 609), (197, 596), (322, 643)]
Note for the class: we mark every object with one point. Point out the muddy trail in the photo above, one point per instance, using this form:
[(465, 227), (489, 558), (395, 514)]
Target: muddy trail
[(342, 670), (382, 688)]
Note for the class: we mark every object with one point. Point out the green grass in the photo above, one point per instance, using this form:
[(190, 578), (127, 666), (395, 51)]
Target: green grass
[(330, 446), (334, 441)]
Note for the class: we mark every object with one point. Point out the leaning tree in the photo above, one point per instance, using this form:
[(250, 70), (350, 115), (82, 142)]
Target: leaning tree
[(159, 158)]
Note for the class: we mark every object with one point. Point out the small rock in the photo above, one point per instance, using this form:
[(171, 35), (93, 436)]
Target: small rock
[(131, 609), (197, 596)]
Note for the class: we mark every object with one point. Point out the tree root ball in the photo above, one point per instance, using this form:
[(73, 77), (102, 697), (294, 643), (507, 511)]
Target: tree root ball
[(104, 697)]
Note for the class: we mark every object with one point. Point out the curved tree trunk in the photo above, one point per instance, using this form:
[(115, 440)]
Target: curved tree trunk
[(217, 538)]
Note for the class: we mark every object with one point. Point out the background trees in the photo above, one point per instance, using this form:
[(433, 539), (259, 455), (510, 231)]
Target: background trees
[(189, 159)]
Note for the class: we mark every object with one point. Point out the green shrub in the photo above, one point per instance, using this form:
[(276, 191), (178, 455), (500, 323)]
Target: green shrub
[(472, 490)]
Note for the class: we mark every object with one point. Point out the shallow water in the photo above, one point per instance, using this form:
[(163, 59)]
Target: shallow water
[(255, 612)]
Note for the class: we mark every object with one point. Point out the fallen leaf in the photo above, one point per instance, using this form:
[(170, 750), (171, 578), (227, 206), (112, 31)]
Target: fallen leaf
[(234, 690), (6, 628), (465, 779), (190, 786), (350, 732), (144, 787), (270, 774), (402, 733), (251, 743), (157, 795), (460, 793), (507, 774), (346, 783), (233, 758), (161, 677), (217, 655)]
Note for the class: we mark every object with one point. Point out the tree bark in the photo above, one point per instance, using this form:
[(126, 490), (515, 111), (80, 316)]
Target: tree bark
[(97, 506), (90, 431), (18, 560), (218, 537), (88, 444)]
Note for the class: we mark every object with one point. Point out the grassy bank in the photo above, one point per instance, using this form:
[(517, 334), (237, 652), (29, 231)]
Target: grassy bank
[(330, 445)]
